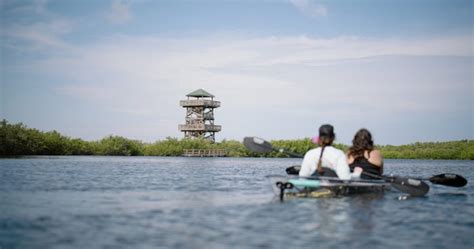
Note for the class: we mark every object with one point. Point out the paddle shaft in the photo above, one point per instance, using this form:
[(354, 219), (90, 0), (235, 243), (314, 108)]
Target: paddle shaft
[(288, 153)]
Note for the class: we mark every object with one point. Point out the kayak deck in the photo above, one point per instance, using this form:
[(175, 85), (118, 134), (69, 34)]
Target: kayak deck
[(317, 187)]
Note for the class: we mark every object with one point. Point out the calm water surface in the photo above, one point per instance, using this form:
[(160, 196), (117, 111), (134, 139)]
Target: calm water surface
[(152, 202)]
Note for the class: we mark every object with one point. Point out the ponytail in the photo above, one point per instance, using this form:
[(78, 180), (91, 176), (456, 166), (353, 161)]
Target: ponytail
[(319, 167), (323, 141)]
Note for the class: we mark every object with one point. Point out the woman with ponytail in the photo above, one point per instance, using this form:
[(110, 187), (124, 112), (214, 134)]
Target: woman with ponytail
[(363, 154), (327, 160)]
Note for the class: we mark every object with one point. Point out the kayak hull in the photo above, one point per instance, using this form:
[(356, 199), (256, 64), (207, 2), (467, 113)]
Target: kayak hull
[(319, 187)]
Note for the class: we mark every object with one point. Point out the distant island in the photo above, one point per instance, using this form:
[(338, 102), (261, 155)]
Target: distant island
[(19, 140)]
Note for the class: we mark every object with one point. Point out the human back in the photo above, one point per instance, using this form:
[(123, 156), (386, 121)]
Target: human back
[(325, 158), (332, 162)]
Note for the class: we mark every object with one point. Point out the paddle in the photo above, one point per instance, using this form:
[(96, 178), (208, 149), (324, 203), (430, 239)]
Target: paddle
[(446, 179), (414, 187), (257, 144)]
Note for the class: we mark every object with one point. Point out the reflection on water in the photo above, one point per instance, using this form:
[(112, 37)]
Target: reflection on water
[(120, 202)]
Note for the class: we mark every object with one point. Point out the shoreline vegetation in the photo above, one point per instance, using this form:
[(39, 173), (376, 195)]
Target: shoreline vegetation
[(19, 140)]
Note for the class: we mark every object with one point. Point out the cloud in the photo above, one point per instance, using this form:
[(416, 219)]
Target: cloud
[(119, 12), (310, 8), (20, 32), (38, 35), (35, 7), (279, 82), (153, 71)]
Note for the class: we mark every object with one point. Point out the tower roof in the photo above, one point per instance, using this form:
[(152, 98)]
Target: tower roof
[(200, 93)]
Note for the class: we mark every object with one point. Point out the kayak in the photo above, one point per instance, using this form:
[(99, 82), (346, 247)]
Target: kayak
[(317, 187)]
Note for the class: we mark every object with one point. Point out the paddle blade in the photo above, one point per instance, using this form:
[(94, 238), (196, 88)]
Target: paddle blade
[(256, 144), (452, 180), (410, 186)]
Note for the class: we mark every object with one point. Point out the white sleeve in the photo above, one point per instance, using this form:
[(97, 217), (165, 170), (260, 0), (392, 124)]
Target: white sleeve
[(308, 167), (342, 169)]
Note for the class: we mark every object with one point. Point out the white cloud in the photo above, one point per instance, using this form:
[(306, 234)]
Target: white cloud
[(41, 35), (266, 84), (273, 81), (119, 12), (23, 34), (310, 8), (35, 7)]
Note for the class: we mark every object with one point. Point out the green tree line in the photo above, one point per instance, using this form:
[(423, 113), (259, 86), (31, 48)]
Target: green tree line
[(19, 140)]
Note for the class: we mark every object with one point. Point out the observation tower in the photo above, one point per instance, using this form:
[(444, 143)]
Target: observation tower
[(199, 118)]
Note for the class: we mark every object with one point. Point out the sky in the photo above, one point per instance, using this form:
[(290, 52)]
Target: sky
[(281, 68)]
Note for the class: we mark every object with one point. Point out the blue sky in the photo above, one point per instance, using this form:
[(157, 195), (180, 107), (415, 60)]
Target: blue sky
[(402, 69)]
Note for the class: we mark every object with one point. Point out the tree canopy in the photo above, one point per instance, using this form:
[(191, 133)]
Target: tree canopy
[(19, 140)]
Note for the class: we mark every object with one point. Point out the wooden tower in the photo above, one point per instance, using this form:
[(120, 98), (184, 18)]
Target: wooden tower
[(200, 107)]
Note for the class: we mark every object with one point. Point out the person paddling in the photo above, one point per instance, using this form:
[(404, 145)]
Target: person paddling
[(327, 160), (363, 154)]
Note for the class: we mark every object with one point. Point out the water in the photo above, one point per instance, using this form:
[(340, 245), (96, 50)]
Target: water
[(149, 202)]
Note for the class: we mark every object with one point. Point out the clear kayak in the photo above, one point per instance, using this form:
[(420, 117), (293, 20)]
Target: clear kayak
[(317, 187)]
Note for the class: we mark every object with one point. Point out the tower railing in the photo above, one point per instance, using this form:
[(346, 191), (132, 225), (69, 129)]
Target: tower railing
[(200, 102), (204, 153), (200, 127)]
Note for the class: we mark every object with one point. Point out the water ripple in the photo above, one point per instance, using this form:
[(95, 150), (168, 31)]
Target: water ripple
[(149, 202)]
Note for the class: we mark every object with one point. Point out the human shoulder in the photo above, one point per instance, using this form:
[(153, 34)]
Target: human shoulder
[(313, 151), (376, 157), (336, 151), (375, 153)]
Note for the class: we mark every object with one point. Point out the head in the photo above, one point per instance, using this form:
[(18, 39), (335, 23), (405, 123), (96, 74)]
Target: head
[(326, 135), (362, 141)]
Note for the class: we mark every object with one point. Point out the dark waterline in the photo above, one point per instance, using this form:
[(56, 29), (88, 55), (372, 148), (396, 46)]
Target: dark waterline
[(153, 202)]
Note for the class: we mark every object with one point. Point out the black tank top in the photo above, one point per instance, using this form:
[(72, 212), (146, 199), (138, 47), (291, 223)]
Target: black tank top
[(366, 166)]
